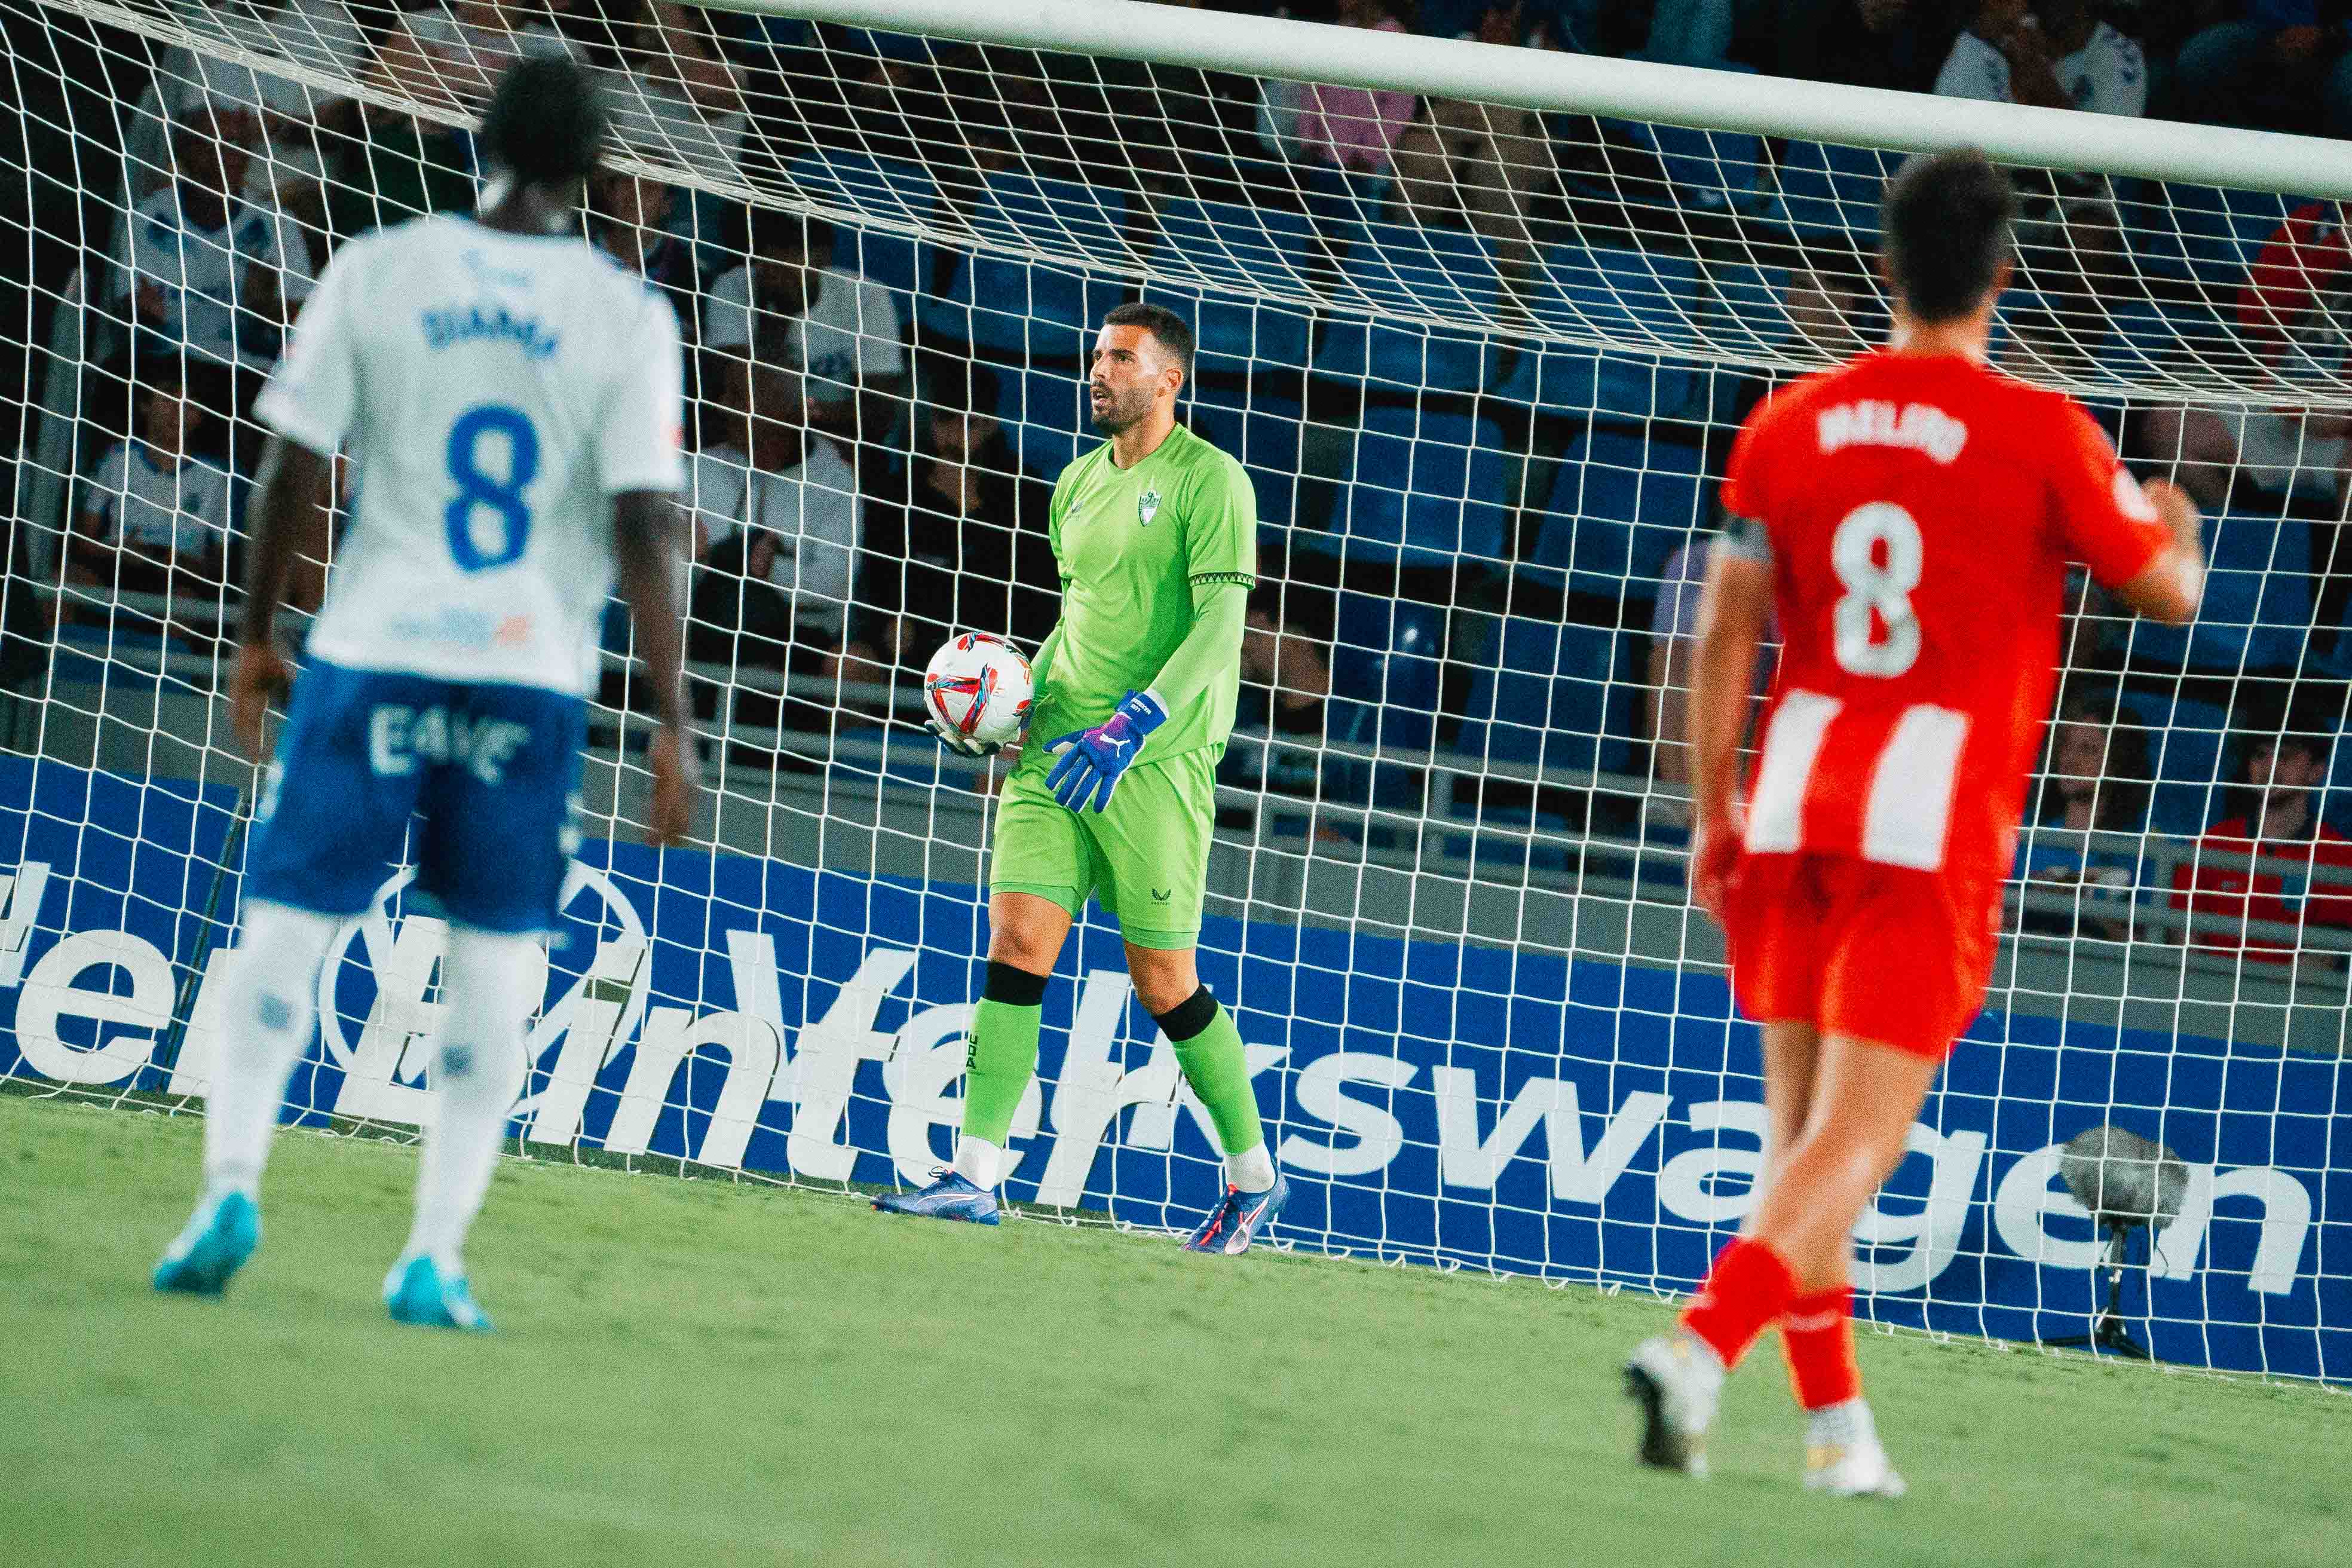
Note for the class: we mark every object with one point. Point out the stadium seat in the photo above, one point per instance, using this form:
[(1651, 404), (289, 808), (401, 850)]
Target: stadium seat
[(1544, 701), (1620, 505), (1265, 436), (1336, 196), (2257, 610), (1750, 306), (1017, 311), (1827, 188), (1424, 491), (901, 192), (1716, 171), (2186, 744), (1625, 296), (1384, 692), (1044, 417), (1404, 270), (1062, 216), (2203, 233)]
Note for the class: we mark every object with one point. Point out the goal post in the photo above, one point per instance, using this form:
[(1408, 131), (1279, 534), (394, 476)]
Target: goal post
[(1480, 324)]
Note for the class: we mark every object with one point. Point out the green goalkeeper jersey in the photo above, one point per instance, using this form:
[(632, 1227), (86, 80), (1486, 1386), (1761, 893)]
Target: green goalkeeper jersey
[(1131, 545)]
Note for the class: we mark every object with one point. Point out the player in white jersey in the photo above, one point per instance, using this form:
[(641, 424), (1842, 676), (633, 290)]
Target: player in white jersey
[(512, 402)]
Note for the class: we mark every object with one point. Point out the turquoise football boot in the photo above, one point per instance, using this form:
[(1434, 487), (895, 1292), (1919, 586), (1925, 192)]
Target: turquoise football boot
[(414, 1292), (205, 1255)]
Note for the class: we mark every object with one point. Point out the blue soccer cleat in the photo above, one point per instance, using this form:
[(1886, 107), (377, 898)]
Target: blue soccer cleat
[(414, 1292), (951, 1197), (205, 1255), (1233, 1224)]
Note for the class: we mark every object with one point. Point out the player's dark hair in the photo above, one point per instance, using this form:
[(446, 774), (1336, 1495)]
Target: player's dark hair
[(1947, 217), (547, 123), (1172, 331)]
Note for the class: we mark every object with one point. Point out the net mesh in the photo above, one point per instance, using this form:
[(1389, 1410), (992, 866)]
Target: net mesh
[(1483, 365)]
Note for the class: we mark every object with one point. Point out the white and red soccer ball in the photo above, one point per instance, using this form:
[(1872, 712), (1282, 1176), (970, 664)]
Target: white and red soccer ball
[(980, 687)]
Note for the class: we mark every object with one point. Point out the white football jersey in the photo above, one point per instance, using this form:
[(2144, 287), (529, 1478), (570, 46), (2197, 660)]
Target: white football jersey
[(495, 392)]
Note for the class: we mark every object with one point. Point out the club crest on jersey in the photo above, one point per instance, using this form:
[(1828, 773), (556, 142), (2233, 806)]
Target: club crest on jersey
[(1147, 507)]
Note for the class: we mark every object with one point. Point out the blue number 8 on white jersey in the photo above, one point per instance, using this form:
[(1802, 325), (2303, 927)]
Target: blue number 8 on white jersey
[(495, 391)]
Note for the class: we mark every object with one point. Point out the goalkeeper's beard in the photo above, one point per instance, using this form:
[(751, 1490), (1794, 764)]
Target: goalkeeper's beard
[(1115, 414)]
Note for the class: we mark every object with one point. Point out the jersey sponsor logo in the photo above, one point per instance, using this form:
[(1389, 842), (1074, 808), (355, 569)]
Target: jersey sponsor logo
[(452, 325), (1921, 427), (1147, 507)]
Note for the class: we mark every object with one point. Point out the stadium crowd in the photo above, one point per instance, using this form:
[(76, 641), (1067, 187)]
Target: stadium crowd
[(1483, 551)]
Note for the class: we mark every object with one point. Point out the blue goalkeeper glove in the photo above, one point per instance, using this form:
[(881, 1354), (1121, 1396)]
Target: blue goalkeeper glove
[(1087, 764)]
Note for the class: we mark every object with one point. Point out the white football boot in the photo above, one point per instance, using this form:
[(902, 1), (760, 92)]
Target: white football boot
[(1844, 1456), (1676, 1381)]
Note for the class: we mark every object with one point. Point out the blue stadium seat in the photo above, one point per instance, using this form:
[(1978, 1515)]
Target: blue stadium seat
[(1045, 418), (2201, 233), (1424, 491), (1628, 297), (1750, 306), (1621, 504), (881, 187), (1016, 311), (1062, 216), (1231, 336), (1829, 188), (1264, 435), (2257, 609), (1385, 681), (1717, 171), (1404, 270), (1546, 698), (1336, 196), (2186, 744)]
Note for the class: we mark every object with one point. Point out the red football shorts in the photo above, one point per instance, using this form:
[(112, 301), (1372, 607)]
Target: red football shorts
[(1897, 957)]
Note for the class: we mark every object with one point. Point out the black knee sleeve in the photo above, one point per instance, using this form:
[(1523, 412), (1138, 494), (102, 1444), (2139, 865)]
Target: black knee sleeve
[(1014, 987), (1188, 1017)]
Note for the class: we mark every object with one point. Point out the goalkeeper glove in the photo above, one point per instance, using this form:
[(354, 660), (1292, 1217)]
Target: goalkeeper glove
[(1087, 764)]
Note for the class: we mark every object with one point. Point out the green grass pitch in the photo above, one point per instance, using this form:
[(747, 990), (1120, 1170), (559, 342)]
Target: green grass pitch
[(693, 1372)]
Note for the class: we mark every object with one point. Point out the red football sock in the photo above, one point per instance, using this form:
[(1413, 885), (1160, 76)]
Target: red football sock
[(1749, 1287), (1818, 1336)]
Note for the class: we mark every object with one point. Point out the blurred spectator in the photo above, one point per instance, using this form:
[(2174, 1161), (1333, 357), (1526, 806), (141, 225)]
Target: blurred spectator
[(626, 219), (1691, 31), (1486, 163), (966, 550), (2053, 54), (453, 53), (676, 98), (2096, 782), (1278, 736), (153, 518), (777, 522), (2271, 66), (214, 277), (2306, 877), (1674, 643), (789, 304), (1867, 43), (1354, 127)]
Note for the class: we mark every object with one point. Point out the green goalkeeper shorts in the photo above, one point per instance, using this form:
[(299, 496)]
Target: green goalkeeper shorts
[(1145, 857)]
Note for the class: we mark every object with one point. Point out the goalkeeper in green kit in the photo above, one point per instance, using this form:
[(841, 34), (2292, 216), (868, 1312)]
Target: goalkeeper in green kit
[(1155, 534)]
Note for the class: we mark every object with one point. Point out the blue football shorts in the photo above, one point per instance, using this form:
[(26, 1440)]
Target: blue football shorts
[(485, 775)]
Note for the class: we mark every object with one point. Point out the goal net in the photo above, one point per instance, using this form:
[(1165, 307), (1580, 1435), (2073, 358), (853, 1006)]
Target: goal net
[(1481, 357)]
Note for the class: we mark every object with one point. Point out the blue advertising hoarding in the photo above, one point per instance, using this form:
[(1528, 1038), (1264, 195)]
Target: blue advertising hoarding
[(1464, 1105)]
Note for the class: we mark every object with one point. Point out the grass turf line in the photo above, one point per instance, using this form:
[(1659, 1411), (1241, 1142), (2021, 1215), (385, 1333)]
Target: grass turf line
[(698, 1372)]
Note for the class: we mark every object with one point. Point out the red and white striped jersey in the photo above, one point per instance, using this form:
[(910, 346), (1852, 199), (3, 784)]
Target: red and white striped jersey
[(1919, 513)]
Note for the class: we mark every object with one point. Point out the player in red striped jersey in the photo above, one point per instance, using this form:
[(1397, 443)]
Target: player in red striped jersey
[(1908, 517)]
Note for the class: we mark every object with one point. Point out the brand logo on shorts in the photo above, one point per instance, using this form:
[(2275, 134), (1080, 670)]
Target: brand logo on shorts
[(1161, 895), (1147, 507)]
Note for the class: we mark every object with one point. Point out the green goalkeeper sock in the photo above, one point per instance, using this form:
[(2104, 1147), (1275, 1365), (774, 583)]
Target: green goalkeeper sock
[(1209, 1049), (1001, 1051)]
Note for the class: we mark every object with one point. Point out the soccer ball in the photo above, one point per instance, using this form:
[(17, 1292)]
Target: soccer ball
[(979, 687)]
